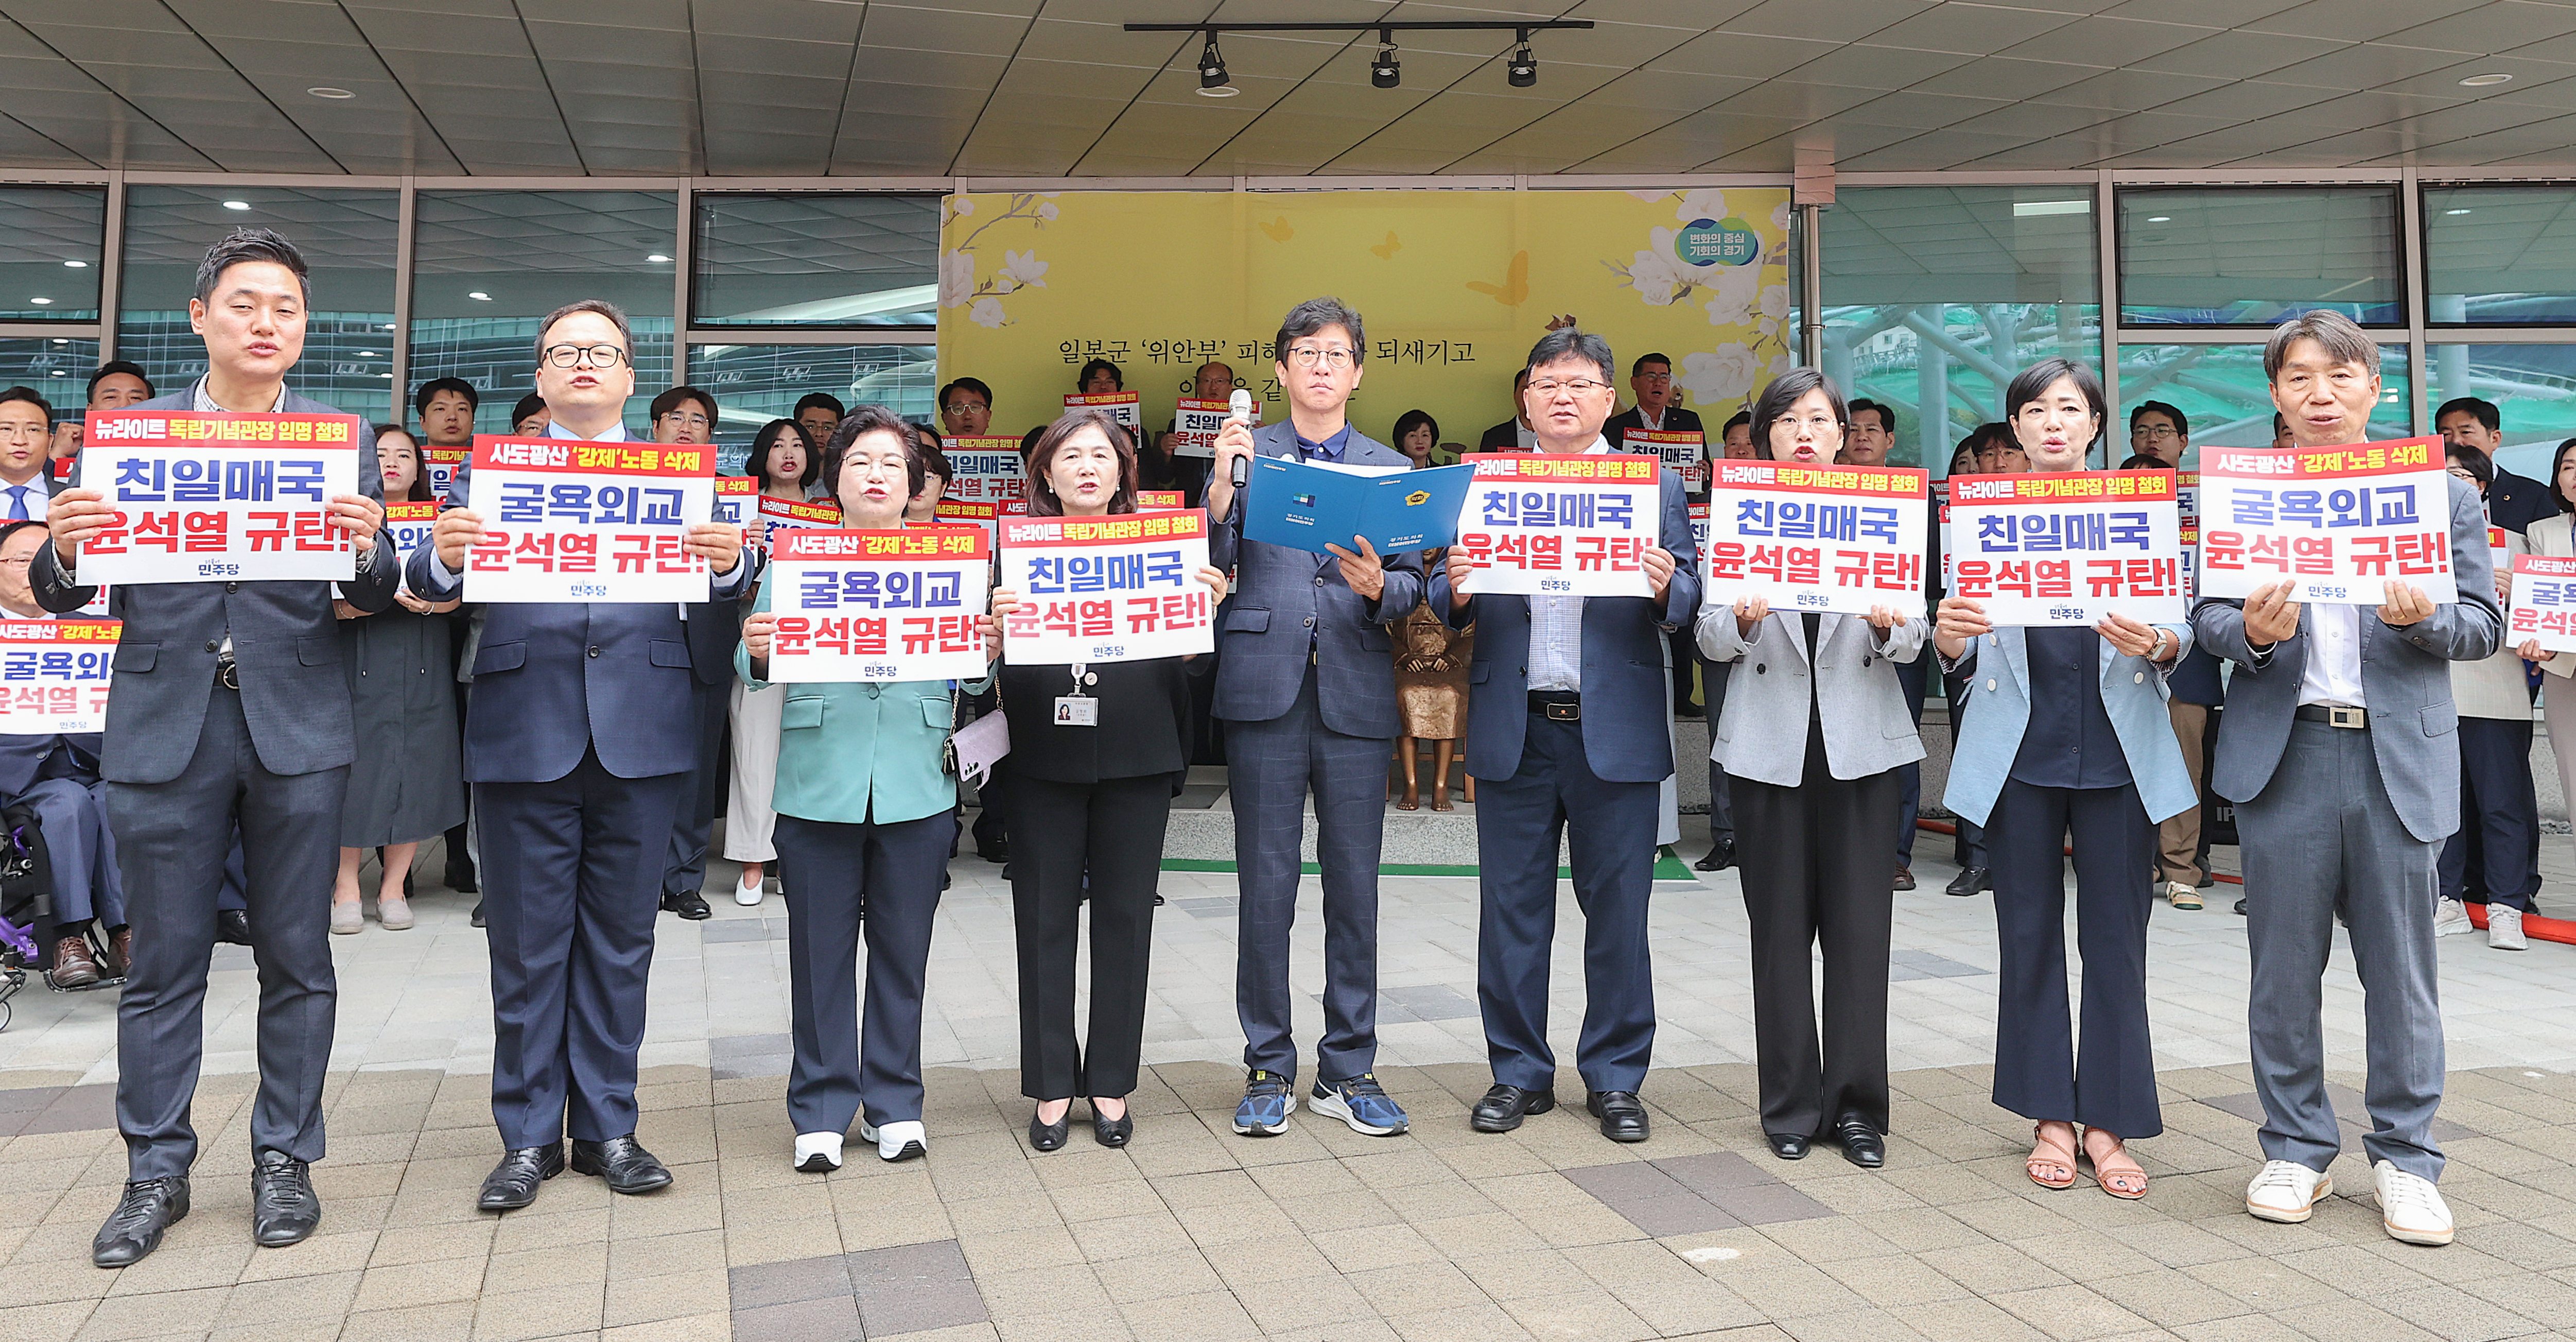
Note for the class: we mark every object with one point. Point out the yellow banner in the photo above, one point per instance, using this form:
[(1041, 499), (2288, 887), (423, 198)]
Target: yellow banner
[(1452, 286)]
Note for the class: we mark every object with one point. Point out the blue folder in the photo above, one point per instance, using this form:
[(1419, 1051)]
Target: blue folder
[(1307, 507)]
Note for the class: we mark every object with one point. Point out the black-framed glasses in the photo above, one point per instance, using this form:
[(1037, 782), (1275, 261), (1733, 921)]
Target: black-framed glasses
[(574, 356)]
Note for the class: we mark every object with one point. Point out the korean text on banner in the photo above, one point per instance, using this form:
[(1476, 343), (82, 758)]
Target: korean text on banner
[(954, 513), (988, 470), (1160, 500), (54, 676), (2068, 548), (1833, 539), (777, 515), (2544, 603), (1106, 589), (1683, 452), (1119, 405), (1561, 525), (878, 605), (439, 464), (409, 524), (1195, 425), (2339, 523), (219, 498), (565, 519), (735, 498)]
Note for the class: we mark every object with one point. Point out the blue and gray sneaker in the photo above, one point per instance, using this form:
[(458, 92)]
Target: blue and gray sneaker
[(1359, 1102), (1267, 1102)]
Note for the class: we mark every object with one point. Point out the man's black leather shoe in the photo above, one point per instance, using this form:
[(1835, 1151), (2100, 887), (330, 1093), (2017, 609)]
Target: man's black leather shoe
[(691, 906), (232, 926), (283, 1208), (1504, 1106), (460, 878), (476, 917), (147, 1208), (1623, 1119), (999, 850), (1788, 1145), (512, 1184), (1719, 858), (1861, 1143), (623, 1162), (1969, 882)]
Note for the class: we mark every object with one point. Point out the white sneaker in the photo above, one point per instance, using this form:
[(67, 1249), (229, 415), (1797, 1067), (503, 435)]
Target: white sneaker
[(747, 895), (897, 1141), (818, 1152), (2411, 1207), (2286, 1191), (2504, 928), (2451, 918)]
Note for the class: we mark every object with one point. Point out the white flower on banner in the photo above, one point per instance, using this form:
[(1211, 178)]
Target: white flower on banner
[(964, 204), (956, 278), (1775, 300), (1024, 268), (988, 312), (1733, 293), (1702, 204), (1780, 363), (1047, 211), (1654, 273), (1768, 326), (1780, 216), (1720, 376)]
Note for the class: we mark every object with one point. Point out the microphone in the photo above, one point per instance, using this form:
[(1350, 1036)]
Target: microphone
[(1238, 408)]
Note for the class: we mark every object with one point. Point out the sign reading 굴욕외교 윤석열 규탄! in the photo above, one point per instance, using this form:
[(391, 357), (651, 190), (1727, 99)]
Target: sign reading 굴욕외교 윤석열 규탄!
[(2337, 523), (219, 497), (54, 676), (877, 605), (2068, 547), (566, 519)]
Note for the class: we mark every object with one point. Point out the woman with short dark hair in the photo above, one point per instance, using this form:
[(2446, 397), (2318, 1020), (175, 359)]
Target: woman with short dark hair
[(783, 460)]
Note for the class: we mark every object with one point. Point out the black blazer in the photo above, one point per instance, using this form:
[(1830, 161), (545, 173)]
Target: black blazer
[(1503, 437), (1144, 721), (1676, 418)]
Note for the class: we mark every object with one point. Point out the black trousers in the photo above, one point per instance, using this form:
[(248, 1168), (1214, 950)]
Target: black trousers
[(1114, 828), (2105, 1076), (831, 873), (684, 870), (1810, 878), (2495, 854)]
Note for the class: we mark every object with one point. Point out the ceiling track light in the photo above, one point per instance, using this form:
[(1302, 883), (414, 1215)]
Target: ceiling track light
[(1523, 69), (1214, 82), (1520, 67), (1386, 72)]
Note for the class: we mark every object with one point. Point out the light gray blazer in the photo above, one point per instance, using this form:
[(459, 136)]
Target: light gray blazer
[(1762, 734), (2133, 697)]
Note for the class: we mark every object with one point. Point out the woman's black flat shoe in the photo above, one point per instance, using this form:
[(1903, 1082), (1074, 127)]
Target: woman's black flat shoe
[(1113, 1131), (1050, 1136)]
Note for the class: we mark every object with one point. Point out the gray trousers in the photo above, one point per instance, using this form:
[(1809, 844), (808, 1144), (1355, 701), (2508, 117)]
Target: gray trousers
[(2322, 836), (171, 839)]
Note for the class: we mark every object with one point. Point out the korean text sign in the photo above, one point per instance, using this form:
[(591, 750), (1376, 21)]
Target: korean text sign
[(409, 524), (1561, 525), (783, 515), (439, 464), (2339, 523), (2544, 603), (1106, 589), (1838, 539), (1684, 452), (54, 676), (218, 498), (2068, 548), (988, 470), (736, 496), (1195, 425), (878, 605), (565, 519)]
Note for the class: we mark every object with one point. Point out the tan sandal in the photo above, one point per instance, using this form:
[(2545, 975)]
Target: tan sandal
[(2131, 1179), (2042, 1158)]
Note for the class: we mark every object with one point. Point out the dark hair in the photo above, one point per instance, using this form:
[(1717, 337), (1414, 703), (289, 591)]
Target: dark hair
[(2033, 382), (1410, 420), (2167, 409), (1042, 498), (32, 397), (1784, 391), (419, 474), (615, 315), (1643, 359), (1520, 377), (112, 368), (1083, 378), (973, 384), (934, 461), (2486, 411), (1886, 417), (1996, 434), (9, 529), (867, 419), (2474, 462), (420, 398), (2144, 461), (528, 405), (247, 245), (1968, 447), (1743, 417), (2557, 495), (1570, 342), (1314, 315), (2343, 341), (814, 400), (2280, 424), (670, 401), (756, 463)]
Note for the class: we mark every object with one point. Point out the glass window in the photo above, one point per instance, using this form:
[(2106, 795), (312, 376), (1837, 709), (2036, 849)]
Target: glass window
[(58, 367), (2534, 386), (816, 260), (754, 384), (2499, 255), (1936, 296), (489, 265), (50, 239), (2221, 390), (347, 238), (2252, 256)]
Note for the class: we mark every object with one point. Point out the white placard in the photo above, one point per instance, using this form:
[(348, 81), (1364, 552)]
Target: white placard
[(2340, 523), (877, 605), (219, 498), (2068, 548), (1560, 525), (566, 519), (1106, 589)]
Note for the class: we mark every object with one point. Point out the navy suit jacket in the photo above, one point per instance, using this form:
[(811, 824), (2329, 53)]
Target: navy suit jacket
[(1625, 736), (1286, 601), (553, 681), (286, 642)]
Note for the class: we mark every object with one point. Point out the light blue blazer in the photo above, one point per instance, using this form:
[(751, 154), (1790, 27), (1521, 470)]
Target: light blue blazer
[(1996, 712)]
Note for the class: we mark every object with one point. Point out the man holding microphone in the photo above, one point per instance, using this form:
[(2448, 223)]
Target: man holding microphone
[(1305, 683)]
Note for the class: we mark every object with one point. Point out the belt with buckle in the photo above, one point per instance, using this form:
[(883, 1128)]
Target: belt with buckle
[(1557, 705), (2335, 715), (228, 673)]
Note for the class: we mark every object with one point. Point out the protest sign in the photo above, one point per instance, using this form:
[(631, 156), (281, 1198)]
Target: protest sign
[(409, 524), (54, 676), (877, 605), (953, 513), (566, 519), (734, 499), (219, 498), (988, 470), (1195, 425), (1120, 406), (1560, 525), (2338, 522), (2544, 603), (2068, 547), (781, 515), (1684, 452), (1106, 589), (439, 465), (1160, 500), (1837, 539)]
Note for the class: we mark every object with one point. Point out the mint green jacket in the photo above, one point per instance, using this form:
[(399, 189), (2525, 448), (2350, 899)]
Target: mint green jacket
[(856, 753)]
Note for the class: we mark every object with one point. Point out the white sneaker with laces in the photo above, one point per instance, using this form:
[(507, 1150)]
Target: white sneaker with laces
[(818, 1152), (2504, 929), (747, 894), (2451, 918), (2411, 1207), (907, 1140), (2286, 1191)]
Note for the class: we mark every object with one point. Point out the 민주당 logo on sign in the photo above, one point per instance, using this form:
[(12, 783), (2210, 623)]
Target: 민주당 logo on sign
[(1709, 242)]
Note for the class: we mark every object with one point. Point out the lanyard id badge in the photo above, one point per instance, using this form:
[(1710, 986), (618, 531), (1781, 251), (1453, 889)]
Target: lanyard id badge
[(1078, 709)]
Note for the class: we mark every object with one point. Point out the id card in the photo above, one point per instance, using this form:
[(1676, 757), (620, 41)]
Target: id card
[(1077, 710)]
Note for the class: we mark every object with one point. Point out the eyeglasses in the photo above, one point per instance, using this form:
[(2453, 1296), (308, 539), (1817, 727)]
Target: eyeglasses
[(2153, 433), (963, 407), (23, 432), (1812, 423), (1307, 356), (1653, 377), (1581, 386), (685, 418), (574, 356)]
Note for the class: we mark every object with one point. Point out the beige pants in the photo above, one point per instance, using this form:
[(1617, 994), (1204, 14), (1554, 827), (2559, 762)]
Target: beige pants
[(2558, 710), (2178, 839), (748, 819)]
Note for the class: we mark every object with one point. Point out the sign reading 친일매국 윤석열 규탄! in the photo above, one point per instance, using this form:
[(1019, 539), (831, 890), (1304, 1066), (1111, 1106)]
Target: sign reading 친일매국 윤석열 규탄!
[(877, 605), (1120, 406), (2338, 523), (219, 498), (54, 676), (1116, 588), (566, 519), (2068, 547), (1684, 452), (1195, 425), (1560, 525), (1833, 539), (989, 470)]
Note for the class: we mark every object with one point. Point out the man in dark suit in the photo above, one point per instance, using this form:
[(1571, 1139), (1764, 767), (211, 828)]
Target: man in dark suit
[(231, 708), (1651, 379), (26, 437), (579, 739), (687, 415), (1512, 435), (1305, 683), (2514, 501), (1566, 727)]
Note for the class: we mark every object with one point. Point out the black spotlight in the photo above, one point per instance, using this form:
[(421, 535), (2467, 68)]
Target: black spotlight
[(1523, 70), (1385, 71), (1213, 80)]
